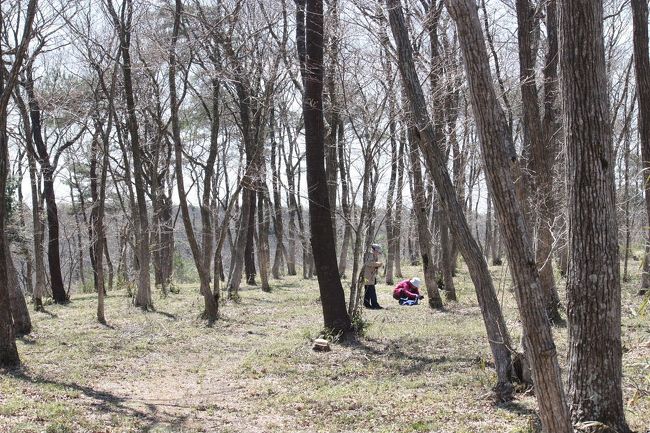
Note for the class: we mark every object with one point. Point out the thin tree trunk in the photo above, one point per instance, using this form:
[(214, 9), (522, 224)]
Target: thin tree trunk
[(263, 253), (397, 221), (79, 231), (424, 235), (345, 203), (249, 251), (122, 25), (237, 260), (280, 249), (202, 255), (447, 270)]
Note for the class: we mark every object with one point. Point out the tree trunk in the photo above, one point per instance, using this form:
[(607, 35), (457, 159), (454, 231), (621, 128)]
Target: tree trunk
[(437, 163), (96, 226), (424, 235), (345, 203), (488, 229), (309, 32), (234, 280), (249, 251), (53, 255), (8, 352), (122, 25), (280, 249), (19, 311), (79, 231), (541, 152), (447, 269), (202, 256), (397, 221), (593, 285), (263, 253), (500, 162), (642, 72), (333, 115)]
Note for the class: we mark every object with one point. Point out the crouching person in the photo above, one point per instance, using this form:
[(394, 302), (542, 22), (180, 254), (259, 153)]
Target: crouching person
[(407, 292)]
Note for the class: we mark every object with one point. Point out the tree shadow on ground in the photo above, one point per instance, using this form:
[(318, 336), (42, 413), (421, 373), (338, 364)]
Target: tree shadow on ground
[(518, 408), (405, 357), (48, 313), (165, 314), (107, 402)]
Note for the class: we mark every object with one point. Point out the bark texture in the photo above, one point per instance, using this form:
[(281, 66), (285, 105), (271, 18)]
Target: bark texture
[(437, 164), (593, 284), (541, 154), (642, 70), (500, 161), (310, 51)]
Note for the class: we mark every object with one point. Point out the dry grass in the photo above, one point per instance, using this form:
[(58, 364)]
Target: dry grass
[(414, 370)]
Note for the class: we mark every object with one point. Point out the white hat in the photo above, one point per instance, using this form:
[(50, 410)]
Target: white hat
[(376, 247), (416, 282)]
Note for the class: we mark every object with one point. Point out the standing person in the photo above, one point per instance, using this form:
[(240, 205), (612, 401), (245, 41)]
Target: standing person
[(371, 267), (408, 290)]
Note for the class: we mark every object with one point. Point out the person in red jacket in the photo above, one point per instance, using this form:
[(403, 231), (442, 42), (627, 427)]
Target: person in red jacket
[(408, 290)]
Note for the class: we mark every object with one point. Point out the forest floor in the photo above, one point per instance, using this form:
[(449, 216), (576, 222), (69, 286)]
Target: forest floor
[(414, 369)]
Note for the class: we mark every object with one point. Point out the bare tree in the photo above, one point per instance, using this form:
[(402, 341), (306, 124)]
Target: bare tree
[(500, 162), (309, 36), (437, 164), (8, 351), (593, 280), (123, 26), (642, 69), (541, 154)]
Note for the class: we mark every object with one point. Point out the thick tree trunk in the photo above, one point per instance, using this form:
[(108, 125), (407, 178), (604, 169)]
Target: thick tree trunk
[(19, 310), (309, 17), (593, 285), (437, 163), (500, 162), (8, 352), (642, 69)]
